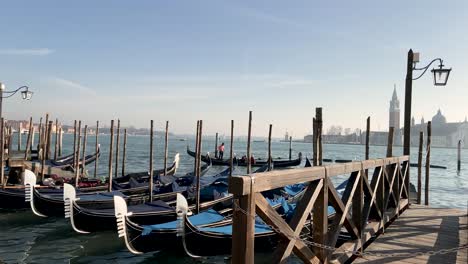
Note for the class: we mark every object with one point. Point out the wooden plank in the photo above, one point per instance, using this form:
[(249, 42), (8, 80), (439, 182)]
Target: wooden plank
[(342, 213), (240, 185), (243, 230), (271, 217), (320, 220), (302, 211)]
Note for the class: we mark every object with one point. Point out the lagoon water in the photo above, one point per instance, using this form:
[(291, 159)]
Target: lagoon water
[(25, 238)]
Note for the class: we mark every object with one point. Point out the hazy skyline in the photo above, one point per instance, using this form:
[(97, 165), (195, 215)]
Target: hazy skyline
[(216, 60)]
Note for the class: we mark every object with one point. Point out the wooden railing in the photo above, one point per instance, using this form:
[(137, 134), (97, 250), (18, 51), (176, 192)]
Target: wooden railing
[(364, 208)]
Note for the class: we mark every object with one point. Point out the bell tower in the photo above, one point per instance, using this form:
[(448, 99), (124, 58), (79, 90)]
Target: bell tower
[(394, 111)]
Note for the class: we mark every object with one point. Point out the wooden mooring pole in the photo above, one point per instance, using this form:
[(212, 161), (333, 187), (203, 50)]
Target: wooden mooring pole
[(459, 157), (117, 149), (231, 150), (60, 141), (249, 135), (111, 146), (269, 148), (390, 142), (124, 154), (28, 141), (44, 136), (196, 148), (243, 228), (367, 137), (166, 142), (319, 120), (85, 142), (96, 149), (19, 137), (56, 139), (39, 140), (197, 174), (290, 148), (216, 146), (151, 172), (77, 164), (49, 139), (2, 152), (421, 142), (314, 142), (74, 142), (428, 162)]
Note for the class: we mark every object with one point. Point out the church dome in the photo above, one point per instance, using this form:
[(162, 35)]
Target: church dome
[(439, 118)]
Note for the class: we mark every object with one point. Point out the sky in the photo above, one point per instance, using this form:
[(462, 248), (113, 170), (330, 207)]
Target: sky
[(215, 60)]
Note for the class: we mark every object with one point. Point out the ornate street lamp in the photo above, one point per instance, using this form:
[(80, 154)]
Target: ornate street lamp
[(441, 75), (26, 95)]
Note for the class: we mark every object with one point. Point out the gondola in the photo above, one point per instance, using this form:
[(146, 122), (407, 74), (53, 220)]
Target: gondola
[(67, 163), (86, 218), (52, 204), (278, 163), (146, 238)]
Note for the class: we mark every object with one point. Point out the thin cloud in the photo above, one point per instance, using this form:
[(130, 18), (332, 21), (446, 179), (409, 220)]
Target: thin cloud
[(266, 17), (67, 84), (27, 52)]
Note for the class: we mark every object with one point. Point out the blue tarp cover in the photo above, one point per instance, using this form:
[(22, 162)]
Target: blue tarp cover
[(207, 217)]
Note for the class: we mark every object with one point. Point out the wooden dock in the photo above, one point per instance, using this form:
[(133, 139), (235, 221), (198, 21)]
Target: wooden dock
[(421, 229)]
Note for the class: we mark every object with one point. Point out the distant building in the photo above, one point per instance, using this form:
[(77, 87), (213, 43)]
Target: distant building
[(444, 134), (394, 111)]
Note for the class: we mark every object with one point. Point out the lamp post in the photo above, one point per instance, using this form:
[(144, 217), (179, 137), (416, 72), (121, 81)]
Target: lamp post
[(26, 95), (440, 74)]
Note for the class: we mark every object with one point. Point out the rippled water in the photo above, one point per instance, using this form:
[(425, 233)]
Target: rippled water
[(25, 238)]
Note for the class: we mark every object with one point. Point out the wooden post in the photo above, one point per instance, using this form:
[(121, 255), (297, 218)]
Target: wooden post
[(117, 149), (28, 141), (19, 137), (314, 142), (56, 139), (290, 148), (49, 139), (318, 115), (357, 207), (10, 139), (166, 138), (269, 148), (216, 146), (198, 166), (367, 137), (124, 154), (74, 143), (111, 146), (231, 150), (320, 220), (151, 172), (2, 152), (85, 142), (44, 136), (196, 148), (249, 135), (96, 149), (77, 165), (60, 141), (421, 142), (32, 140), (428, 161), (459, 157), (390, 142), (39, 140)]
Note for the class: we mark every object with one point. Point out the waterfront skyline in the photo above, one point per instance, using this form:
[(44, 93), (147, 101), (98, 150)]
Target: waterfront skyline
[(216, 60)]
